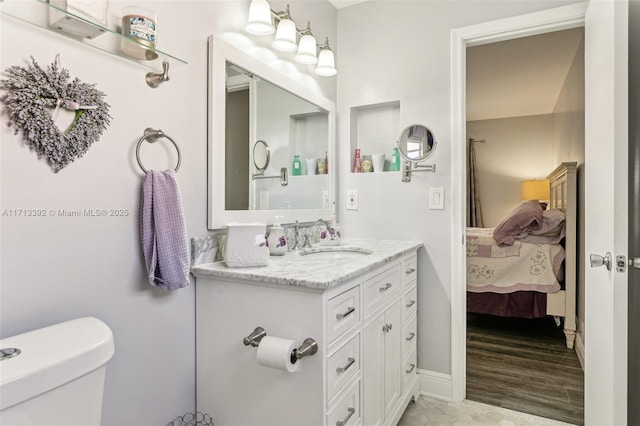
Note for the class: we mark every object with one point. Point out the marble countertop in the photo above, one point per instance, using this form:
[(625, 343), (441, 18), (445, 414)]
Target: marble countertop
[(293, 269)]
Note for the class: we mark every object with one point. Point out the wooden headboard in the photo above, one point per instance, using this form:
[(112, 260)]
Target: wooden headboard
[(563, 194)]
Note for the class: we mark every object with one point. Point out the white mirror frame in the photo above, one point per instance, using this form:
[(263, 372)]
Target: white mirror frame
[(220, 52)]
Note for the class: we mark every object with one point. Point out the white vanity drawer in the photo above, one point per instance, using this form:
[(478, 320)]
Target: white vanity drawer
[(409, 270), (343, 313), (346, 412), (342, 366), (409, 367), (380, 289), (409, 336), (409, 303)]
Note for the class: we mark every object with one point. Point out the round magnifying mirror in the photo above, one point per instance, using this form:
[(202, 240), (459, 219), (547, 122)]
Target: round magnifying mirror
[(261, 155), (417, 143)]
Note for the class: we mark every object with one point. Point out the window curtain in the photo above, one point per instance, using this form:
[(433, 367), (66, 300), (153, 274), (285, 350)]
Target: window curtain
[(474, 209)]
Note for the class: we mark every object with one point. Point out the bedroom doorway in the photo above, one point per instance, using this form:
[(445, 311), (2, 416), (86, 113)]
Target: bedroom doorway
[(525, 115), (606, 153)]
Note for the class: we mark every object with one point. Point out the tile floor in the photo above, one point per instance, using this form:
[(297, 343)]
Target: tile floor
[(427, 411)]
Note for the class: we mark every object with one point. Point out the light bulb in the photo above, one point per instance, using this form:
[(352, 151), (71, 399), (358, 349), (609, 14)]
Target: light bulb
[(326, 63), (307, 50), (285, 40), (259, 22)]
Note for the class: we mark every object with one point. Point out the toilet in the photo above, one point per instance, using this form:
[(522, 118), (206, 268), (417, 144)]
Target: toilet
[(55, 375)]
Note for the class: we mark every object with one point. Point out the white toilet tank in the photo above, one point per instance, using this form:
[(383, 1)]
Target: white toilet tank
[(58, 376)]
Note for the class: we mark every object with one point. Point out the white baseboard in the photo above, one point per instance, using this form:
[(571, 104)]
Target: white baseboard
[(435, 385), (579, 346)]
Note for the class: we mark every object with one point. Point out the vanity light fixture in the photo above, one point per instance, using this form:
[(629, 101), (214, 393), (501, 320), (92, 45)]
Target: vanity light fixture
[(286, 34), (307, 47), (326, 62), (260, 23)]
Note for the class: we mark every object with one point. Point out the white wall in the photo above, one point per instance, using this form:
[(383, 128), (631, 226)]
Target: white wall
[(58, 268), (517, 149), (407, 59)]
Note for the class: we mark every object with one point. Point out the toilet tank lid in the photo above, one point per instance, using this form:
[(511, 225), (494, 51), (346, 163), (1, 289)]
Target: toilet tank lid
[(52, 356)]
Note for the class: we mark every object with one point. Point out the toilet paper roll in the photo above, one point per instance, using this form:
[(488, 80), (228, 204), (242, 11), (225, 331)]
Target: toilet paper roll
[(276, 352)]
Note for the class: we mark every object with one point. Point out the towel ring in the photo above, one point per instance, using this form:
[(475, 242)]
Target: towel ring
[(153, 135)]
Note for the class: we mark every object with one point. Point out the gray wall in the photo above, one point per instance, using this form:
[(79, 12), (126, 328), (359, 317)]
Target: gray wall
[(57, 268), (409, 61)]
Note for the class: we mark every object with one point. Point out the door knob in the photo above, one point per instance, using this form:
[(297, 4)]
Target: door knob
[(635, 262), (597, 260)]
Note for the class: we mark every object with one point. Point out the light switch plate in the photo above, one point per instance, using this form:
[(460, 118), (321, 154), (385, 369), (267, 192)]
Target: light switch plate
[(436, 198), (352, 199)]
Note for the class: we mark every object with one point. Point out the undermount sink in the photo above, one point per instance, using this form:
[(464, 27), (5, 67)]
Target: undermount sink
[(335, 252)]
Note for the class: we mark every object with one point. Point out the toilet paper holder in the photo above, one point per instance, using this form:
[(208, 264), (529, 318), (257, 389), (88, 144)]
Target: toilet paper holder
[(309, 346)]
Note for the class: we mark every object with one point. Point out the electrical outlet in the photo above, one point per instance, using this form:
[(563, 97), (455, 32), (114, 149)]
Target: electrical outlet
[(436, 198), (352, 199)]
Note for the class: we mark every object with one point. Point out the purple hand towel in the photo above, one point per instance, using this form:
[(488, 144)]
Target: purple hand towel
[(163, 232)]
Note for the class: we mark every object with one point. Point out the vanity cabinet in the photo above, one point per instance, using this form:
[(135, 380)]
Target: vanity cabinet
[(381, 372), (357, 377)]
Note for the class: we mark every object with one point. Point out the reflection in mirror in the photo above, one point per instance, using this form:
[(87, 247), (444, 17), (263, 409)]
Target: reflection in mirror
[(417, 143), (293, 126), (261, 156), (251, 101)]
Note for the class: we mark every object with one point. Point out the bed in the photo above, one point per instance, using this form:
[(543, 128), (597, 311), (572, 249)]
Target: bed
[(527, 275)]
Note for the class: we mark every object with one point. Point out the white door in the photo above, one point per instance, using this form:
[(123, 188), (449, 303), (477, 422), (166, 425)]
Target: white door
[(606, 206)]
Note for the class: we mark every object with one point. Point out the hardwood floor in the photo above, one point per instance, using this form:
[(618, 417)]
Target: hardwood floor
[(524, 365)]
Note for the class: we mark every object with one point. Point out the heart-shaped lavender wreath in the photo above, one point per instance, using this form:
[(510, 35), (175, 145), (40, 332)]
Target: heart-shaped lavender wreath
[(32, 93)]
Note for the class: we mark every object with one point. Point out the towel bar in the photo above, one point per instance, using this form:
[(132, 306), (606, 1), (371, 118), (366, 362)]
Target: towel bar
[(153, 135)]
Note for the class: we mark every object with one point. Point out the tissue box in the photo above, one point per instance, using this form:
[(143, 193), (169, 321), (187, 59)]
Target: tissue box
[(246, 245)]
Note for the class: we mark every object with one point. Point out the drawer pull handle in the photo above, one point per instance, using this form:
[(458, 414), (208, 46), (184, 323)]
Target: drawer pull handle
[(349, 312), (410, 271), (411, 336), (346, 367), (409, 371), (351, 410), (386, 287), (411, 303)]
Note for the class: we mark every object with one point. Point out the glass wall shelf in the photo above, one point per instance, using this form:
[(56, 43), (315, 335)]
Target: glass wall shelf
[(37, 12)]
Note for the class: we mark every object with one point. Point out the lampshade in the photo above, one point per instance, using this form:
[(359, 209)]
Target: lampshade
[(326, 63), (307, 50), (259, 22), (535, 189), (285, 40)]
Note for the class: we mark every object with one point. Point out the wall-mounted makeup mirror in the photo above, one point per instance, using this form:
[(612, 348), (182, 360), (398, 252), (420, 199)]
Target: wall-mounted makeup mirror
[(417, 144), (251, 103), (261, 156)]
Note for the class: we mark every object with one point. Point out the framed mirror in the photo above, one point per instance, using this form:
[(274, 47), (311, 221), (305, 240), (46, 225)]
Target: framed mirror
[(417, 143), (297, 123)]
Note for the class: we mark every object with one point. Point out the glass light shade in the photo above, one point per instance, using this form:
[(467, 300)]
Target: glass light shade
[(285, 40), (307, 50), (535, 189), (326, 64), (259, 22)]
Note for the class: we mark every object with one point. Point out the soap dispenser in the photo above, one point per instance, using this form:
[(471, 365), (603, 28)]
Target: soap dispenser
[(297, 166), (331, 237), (276, 241), (395, 158)]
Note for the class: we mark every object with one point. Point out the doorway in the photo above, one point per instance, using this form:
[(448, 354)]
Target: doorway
[(525, 116), (606, 85)]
